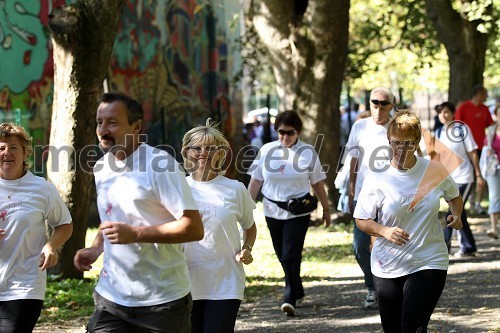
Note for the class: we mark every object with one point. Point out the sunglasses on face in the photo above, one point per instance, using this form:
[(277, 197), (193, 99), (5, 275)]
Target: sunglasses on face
[(284, 132), (378, 102), (208, 149)]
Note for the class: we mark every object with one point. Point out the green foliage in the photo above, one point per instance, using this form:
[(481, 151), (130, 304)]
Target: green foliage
[(67, 299)]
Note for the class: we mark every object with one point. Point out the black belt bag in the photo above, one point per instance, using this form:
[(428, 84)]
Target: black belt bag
[(298, 206)]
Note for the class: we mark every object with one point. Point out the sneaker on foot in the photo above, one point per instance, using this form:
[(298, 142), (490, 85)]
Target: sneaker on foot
[(492, 234), (461, 254), (371, 300), (288, 308), (299, 301)]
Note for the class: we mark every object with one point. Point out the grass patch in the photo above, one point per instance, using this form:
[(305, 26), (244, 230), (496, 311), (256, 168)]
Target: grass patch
[(67, 299)]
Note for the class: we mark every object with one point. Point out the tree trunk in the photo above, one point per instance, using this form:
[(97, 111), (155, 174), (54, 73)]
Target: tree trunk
[(307, 43), (83, 35), (465, 45)]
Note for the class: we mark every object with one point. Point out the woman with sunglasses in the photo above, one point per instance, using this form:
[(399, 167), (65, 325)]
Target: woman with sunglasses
[(409, 258), (216, 262), (286, 169)]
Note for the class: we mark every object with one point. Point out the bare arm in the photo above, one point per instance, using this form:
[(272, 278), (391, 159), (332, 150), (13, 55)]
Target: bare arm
[(254, 187), (353, 174), (395, 235), (456, 206), (319, 189), (49, 256), (249, 236), (188, 228), (475, 163)]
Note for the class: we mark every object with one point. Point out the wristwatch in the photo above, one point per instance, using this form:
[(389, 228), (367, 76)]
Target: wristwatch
[(247, 246)]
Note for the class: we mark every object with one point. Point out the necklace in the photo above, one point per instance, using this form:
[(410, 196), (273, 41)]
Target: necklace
[(15, 189)]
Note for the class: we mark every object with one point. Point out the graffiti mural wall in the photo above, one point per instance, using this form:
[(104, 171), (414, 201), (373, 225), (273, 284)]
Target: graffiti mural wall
[(172, 55)]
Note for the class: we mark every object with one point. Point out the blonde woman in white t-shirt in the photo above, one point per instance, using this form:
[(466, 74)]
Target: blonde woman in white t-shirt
[(216, 262), (409, 258), (27, 202)]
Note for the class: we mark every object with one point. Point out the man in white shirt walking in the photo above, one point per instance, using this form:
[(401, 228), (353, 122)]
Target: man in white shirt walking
[(146, 210)]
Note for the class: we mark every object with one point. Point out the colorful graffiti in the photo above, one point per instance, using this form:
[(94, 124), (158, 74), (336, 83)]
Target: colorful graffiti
[(172, 55)]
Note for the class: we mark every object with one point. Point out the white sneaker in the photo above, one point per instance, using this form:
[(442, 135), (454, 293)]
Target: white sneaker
[(371, 300), (288, 308)]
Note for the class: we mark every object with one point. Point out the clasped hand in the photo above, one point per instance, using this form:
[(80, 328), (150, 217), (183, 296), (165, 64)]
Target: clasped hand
[(397, 235), (118, 232), (454, 221)]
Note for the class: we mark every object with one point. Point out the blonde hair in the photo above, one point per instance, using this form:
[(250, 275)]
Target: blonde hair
[(206, 133), (13, 130), (405, 124)]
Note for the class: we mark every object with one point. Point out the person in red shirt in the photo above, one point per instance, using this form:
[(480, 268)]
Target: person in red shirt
[(477, 116)]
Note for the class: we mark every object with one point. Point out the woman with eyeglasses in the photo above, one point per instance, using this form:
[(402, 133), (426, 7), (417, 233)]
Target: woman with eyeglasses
[(409, 258), (216, 262), (286, 169)]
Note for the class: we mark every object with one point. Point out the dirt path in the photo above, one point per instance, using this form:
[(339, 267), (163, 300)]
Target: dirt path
[(470, 302)]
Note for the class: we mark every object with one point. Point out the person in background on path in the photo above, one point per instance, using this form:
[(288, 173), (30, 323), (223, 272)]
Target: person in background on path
[(146, 210), (400, 207), (286, 169), (457, 137), (477, 116), (342, 179), (26, 203), (366, 146), (492, 146), (216, 262)]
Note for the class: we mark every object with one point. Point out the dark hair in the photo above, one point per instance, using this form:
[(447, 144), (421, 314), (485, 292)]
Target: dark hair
[(448, 105), (477, 89), (288, 118), (134, 108)]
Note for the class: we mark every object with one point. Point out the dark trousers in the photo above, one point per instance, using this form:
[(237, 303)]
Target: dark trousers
[(406, 303), (170, 317), (19, 316), (288, 241), (467, 241), (214, 316)]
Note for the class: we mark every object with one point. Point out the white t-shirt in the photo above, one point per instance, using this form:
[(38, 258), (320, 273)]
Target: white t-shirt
[(287, 173), (148, 188), (387, 195), (459, 140), (215, 274), (368, 143), (33, 201)]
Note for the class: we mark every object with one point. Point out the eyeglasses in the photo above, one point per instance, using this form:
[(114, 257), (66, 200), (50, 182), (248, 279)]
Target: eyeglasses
[(378, 102), (208, 149), (395, 143), (289, 132)]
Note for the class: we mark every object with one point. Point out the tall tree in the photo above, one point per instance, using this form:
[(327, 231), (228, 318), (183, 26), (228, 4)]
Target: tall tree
[(83, 35), (306, 41), (464, 31)]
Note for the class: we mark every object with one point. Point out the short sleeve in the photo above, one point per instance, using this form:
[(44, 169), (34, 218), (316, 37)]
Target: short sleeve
[(173, 190), (247, 205), (57, 213), (353, 140), (317, 174), (255, 170), (469, 142), (368, 201), (449, 188)]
